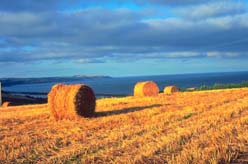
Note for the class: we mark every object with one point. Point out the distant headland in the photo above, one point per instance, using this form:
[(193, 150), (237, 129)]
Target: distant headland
[(17, 81)]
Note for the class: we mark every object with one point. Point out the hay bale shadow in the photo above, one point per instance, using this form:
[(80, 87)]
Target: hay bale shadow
[(124, 111)]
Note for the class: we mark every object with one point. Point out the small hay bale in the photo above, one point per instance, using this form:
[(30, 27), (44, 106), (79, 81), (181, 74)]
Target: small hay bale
[(71, 101), (170, 89), (146, 88), (6, 104), (190, 89)]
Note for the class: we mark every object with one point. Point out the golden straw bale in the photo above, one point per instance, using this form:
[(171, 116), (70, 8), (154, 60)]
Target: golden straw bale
[(71, 101), (6, 104), (146, 88), (170, 89)]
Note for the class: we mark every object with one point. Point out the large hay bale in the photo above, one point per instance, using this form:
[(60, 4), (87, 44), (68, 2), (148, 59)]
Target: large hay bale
[(146, 88), (71, 101), (170, 89)]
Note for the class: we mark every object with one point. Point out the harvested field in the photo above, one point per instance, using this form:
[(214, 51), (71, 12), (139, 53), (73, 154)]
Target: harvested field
[(187, 127)]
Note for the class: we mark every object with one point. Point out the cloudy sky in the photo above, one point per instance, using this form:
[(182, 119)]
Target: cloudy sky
[(122, 37)]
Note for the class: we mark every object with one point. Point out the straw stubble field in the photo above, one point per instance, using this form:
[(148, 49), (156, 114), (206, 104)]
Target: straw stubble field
[(189, 127)]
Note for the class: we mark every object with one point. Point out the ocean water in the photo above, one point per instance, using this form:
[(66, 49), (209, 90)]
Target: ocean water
[(119, 86)]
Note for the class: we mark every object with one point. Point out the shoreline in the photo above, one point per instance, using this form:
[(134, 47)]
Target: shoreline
[(21, 100), (25, 98)]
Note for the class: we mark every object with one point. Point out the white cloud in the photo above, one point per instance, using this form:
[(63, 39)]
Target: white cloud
[(90, 34), (213, 9), (224, 54)]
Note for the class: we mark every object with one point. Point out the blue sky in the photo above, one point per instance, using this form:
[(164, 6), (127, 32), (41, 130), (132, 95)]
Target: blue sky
[(122, 38)]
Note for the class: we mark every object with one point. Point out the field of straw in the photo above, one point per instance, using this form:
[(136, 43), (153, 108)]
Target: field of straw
[(188, 127)]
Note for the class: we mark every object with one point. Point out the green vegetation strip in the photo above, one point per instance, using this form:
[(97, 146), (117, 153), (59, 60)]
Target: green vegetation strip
[(219, 86)]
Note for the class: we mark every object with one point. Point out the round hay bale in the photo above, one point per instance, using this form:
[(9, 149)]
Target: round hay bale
[(6, 104), (170, 89), (190, 89), (146, 88), (71, 101)]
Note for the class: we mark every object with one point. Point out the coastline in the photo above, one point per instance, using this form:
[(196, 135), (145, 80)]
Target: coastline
[(24, 98), (27, 92), (21, 100)]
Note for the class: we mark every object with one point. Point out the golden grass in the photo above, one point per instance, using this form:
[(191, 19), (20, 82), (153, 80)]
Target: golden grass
[(71, 101), (193, 127), (146, 88)]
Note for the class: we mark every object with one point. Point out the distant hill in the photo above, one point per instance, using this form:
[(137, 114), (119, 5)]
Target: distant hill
[(16, 81)]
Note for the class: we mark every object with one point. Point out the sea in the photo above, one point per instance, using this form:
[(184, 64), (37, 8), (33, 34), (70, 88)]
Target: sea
[(123, 86)]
